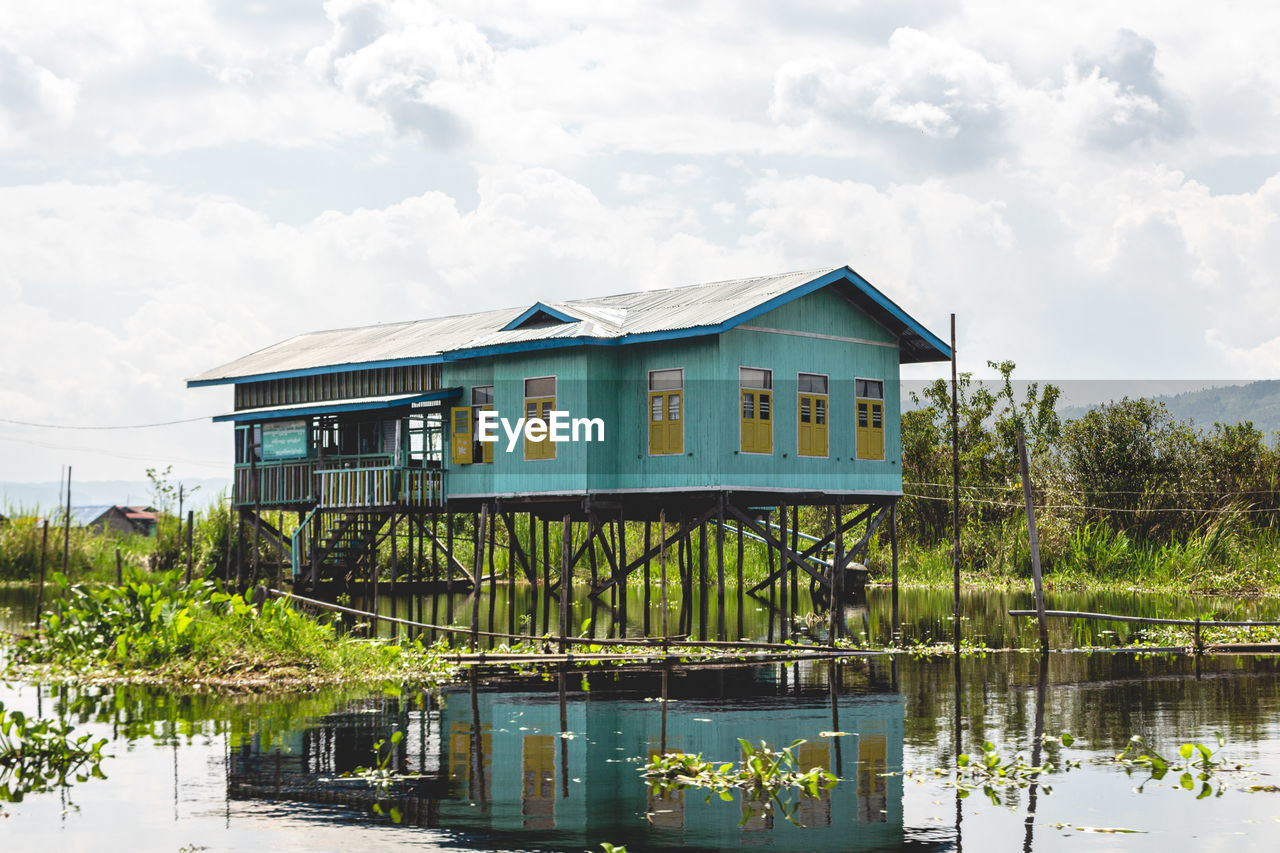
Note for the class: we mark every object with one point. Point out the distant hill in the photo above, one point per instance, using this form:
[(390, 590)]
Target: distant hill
[(21, 498), (1229, 404)]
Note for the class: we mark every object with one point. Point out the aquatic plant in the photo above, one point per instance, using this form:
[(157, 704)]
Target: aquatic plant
[(762, 776), (39, 755), (163, 627), (1195, 762)]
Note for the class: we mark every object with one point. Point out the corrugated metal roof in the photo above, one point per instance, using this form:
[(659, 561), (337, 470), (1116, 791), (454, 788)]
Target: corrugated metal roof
[(602, 319)]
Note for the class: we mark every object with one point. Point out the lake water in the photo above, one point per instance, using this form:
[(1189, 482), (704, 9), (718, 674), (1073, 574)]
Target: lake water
[(549, 761)]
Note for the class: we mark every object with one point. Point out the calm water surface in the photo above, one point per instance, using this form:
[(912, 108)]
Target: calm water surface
[(550, 761)]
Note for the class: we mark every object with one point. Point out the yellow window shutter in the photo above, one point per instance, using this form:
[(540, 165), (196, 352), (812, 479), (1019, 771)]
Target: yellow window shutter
[(657, 424), (764, 426), (748, 414), (486, 447), (675, 422), (460, 432)]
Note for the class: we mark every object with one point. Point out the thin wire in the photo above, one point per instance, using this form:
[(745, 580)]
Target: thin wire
[(1098, 508), (125, 426), (996, 488), (205, 463)]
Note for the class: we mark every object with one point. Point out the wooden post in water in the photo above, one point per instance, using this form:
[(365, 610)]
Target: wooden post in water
[(837, 578), (784, 630), (448, 569), (566, 580), (44, 550), (511, 573), (720, 626), (119, 569), (546, 576), (227, 555), (478, 560), (955, 493), (703, 603), (662, 568), (1035, 541), (493, 572), (621, 572), (395, 566), (648, 543), (893, 555), (740, 590), (191, 523)]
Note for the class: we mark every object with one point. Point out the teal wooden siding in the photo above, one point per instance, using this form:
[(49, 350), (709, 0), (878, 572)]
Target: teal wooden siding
[(611, 382)]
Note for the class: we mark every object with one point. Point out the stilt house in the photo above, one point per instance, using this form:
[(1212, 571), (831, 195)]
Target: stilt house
[(733, 398)]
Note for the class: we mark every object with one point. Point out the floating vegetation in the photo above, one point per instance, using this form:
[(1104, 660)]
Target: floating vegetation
[(1195, 762), (38, 755), (991, 774), (382, 778), (765, 777)]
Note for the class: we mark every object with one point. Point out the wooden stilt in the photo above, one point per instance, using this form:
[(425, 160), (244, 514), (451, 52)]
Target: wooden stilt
[(478, 561), (837, 576), (893, 556), (773, 584), (566, 579), (741, 591), (493, 572), (435, 568), (448, 568), (795, 570), (620, 574), (648, 531), (784, 581), (704, 603), (662, 567), (395, 567), (546, 576), (511, 573), (720, 618)]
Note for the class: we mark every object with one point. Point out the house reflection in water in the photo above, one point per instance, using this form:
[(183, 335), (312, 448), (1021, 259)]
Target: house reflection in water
[(539, 763)]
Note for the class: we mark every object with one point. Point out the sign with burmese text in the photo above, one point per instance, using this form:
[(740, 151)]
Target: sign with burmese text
[(284, 439)]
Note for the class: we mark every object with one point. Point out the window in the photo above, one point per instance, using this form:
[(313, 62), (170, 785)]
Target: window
[(539, 401), (756, 408), (666, 412), (811, 414), (481, 400), (870, 403), (461, 447)]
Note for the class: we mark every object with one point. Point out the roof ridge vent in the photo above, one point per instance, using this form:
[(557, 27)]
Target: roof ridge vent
[(540, 314)]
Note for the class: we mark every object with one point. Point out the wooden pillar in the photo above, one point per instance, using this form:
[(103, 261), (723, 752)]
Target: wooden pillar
[(66, 528), (119, 569), (795, 572), (226, 566), (435, 570), (493, 575), (662, 567), (741, 599), (955, 493), (783, 605), (720, 618), (546, 576), (44, 550), (773, 584), (395, 566), (448, 569), (703, 602), (837, 578), (511, 574), (648, 543), (477, 568), (621, 573), (566, 580), (893, 556)]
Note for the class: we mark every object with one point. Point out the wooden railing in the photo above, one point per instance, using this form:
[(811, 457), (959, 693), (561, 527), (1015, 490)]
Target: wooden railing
[(337, 488), (274, 484)]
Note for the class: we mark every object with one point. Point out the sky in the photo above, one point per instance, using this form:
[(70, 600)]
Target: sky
[(1092, 188)]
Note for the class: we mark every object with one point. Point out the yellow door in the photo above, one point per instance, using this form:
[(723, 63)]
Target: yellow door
[(812, 424), (540, 408), (870, 429), (666, 422), (485, 448), (460, 434), (757, 423), (675, 422)]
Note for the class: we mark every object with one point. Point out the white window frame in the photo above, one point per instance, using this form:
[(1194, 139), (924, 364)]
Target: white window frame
[(648, 415)]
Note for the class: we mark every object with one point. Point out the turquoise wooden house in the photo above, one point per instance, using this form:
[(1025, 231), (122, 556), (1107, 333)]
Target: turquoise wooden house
[(733, 398)]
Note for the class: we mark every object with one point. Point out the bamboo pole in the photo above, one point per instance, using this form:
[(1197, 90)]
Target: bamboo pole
[(955, 492), (66, 526), (1034, 540), (44, 550), (191, 516)]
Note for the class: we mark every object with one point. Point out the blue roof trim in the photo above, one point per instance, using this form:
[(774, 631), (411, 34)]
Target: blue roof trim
[(318, 371), (335, 408), (544, 308)]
